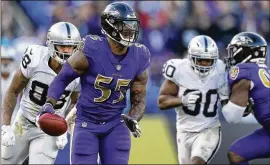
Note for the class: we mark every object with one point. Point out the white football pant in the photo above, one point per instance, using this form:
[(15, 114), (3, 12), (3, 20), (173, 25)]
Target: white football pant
[(30, 140), (202, 144)]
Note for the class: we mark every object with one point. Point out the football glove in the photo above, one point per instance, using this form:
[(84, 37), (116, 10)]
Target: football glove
[(190, 98), (132, 125), (61, 141), (8, 136), (46, 108), (249, 108)]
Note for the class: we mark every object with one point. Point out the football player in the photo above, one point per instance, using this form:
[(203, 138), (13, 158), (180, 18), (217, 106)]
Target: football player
[(249, 79), (194, 86), (107, 68), (8, 68), (38, 67)]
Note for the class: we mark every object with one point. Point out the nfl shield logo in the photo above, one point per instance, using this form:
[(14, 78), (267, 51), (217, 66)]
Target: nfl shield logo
[(84, 124), (118, 67)]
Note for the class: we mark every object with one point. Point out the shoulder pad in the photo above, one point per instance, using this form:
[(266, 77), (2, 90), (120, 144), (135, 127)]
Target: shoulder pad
[(144, 56), (237, 73), (33, 55), (31, 58), (91, 42), (221, 66), (171, 69)]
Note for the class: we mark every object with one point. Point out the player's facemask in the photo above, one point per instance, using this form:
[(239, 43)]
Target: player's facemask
[(61, 57), (124, 32), (203, 65)]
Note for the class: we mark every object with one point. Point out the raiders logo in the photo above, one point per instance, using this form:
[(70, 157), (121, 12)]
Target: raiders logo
[(234, 72)]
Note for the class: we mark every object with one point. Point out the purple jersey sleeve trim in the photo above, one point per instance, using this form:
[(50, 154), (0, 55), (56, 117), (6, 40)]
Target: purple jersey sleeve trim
[(61, 81)]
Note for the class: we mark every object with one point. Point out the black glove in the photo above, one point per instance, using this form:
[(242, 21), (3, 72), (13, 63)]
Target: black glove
[(249, 108), (133, 125)]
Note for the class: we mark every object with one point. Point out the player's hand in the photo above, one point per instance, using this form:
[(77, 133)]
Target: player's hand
[(190, 98), (46, 108), (249, 108), (133, 125), (8, 136), (61, 141)]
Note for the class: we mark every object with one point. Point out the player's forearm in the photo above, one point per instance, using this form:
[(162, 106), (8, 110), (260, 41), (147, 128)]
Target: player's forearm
[(9, 104), (167, 102), (60, 82), (138, 104)]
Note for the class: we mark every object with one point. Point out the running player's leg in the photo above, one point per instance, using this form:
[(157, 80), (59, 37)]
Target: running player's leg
[(43, 149), (252, 146), (183, 147), (206, 145), (85, 145), (115, 146), (17, 154)]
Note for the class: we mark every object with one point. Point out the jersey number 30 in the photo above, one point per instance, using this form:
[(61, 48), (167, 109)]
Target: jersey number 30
[(196, 110)]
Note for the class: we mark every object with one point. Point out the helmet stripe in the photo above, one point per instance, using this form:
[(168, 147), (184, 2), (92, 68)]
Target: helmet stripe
[(68, 30), (205, 44)]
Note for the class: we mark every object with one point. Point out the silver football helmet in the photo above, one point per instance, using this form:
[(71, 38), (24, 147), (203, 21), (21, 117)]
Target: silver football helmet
[(8, 60), (63, 34), (202, 48)]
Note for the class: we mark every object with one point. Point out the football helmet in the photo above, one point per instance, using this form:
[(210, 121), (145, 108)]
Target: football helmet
[(120, 23), (202, 48), (62, 33), (246, 47), (7, 59)]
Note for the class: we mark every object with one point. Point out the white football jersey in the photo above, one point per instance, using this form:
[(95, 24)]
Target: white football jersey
[(213, 88), (35, 67)]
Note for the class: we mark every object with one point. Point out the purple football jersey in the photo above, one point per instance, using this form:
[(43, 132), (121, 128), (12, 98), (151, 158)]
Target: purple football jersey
[(258, 74), (104, 86)]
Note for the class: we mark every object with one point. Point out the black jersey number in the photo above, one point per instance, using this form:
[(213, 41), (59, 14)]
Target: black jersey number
[(196, 110), (38, 94), (26, 60)]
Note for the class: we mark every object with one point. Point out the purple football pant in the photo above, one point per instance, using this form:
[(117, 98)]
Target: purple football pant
[(253, 146), (111, 140)]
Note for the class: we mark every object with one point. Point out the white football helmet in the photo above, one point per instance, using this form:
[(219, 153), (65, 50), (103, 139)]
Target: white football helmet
[(62, 33), (202, 47), (7, 53)]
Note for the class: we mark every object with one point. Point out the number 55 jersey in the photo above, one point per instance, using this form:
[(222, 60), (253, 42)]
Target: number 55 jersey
[(35, 67), (213, 88)]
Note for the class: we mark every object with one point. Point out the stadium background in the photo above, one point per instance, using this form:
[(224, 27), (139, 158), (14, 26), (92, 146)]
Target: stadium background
[(166, 29)]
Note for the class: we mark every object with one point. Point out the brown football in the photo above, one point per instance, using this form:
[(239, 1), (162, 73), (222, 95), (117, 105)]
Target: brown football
[(52, 124)]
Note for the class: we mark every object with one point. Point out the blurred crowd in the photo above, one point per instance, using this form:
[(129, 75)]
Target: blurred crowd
[(166, 26)]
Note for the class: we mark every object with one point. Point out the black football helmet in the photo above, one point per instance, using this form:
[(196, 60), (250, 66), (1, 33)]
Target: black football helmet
[(246, 47), (120, 23)]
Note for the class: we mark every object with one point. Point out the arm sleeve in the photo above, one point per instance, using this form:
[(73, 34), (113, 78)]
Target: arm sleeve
[(223, 89), (144, 60), (170, 71), (61, 81)]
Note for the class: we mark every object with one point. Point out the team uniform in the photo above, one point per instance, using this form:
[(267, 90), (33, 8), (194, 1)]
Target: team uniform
[(98, 126), (198, 126), (42, 148), (259, 75)]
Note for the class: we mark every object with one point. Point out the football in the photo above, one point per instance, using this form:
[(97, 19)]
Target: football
[(52, 124)]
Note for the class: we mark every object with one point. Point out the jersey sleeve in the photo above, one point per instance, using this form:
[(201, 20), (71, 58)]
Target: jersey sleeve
[(30, 60), (145, 58), (89, 46), (223, 87), (238, 73), (170, 71)]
